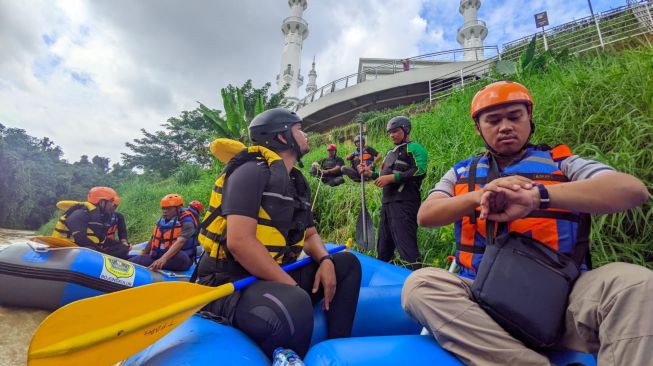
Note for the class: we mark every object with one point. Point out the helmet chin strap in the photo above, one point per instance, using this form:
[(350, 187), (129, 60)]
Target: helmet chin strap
[(294, 146)]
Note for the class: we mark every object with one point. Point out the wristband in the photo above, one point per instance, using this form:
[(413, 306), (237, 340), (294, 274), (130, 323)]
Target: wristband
[(329, 257), (545, 202)]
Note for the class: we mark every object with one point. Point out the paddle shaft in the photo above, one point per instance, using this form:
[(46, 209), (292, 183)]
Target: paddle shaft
[(286, 268), (318, 189), (363, 205)]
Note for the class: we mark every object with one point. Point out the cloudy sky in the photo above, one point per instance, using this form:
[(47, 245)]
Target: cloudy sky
[(91, 74)]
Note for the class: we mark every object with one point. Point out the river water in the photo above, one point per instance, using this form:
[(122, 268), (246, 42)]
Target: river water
[(16, 325)]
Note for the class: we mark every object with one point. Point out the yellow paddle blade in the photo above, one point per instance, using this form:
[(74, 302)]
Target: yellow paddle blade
[(106, 329), (66, 204), (224, 149), (53, 242)]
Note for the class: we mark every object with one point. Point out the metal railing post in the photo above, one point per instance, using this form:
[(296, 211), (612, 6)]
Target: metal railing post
[(596, 22), (462, 79), (430, 91), (650, 19)]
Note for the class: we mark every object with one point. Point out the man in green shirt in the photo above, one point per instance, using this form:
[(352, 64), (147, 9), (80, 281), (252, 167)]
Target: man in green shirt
[(402, 172)]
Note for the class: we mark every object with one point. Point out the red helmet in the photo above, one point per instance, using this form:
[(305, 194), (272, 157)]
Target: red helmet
[(172, 200), (97, 194), (501, 92), (196, 205), (331, 147)]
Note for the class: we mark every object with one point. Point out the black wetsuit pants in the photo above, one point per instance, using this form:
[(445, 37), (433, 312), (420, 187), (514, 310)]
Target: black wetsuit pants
[(278, 315), (398, 229)]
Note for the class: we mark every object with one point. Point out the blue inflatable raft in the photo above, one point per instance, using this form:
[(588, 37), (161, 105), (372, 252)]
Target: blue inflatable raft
[(382, 335), (37, 276)]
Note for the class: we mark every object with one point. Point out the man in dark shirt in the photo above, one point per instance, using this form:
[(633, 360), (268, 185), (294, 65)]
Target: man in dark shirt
[(402, 172), (267, 203), (87, 223), (329, 168), (370, 158)]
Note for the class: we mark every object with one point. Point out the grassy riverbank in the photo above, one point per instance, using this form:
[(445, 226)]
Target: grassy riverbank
[(599, 105)]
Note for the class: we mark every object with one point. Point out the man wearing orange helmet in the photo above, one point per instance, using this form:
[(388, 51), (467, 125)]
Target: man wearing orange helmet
[(544, 194), (329, 168), (173, 242), (87, 223)]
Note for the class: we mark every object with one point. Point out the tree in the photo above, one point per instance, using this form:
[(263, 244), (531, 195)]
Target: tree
[(241, 105), (183, 140), (34, 178)]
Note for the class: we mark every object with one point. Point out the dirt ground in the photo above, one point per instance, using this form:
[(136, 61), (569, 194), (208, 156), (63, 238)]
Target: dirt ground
[(16, 328)]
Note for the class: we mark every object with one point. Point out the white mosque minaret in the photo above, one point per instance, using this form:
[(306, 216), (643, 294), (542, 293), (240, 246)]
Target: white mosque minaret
[(311, 86), (295, 31), (473, 31)]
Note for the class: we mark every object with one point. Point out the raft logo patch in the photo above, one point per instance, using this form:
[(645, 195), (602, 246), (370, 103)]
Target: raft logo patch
[(118, 271)]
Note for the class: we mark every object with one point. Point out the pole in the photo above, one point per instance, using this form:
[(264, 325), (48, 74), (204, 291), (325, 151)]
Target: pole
[(363, 206), (596, 22), (546, 45)]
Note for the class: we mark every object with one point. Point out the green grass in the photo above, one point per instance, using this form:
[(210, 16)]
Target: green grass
[(601, 106)]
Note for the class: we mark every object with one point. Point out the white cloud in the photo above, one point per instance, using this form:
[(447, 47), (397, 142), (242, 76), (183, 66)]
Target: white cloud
[(91, 74)]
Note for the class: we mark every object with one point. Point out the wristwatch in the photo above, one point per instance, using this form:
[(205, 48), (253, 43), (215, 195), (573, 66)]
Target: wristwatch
[(545, 202), (329, 257)]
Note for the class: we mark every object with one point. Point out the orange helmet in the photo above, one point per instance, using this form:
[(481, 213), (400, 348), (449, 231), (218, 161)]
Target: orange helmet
[(331, 147), (172, 200), (96, 194), (501, 92)]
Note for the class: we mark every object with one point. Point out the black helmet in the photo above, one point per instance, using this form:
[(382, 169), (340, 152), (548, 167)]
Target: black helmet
[(399, 122), (359, 138), (266, 125)]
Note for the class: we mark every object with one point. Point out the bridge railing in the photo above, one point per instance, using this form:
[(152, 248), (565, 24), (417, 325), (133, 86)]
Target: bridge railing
[(590, 32), (394, 67)]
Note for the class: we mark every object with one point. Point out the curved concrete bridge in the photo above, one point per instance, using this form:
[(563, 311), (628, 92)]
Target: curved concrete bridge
[(393, 83)]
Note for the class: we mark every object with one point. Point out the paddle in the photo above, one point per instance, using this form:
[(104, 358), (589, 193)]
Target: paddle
[(53, 242), (364, 224), (105, 329), (318, 189)]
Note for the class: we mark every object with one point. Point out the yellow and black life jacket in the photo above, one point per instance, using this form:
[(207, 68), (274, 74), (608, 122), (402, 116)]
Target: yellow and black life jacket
[(61, 228), (278, 228)]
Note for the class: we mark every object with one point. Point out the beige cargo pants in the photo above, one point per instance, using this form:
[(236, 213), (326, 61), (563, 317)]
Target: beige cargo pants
[(610, 313)]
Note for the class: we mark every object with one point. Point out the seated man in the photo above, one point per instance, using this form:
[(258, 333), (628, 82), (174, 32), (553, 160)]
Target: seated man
[(87, 223), (329, 168), (370, 158), (174, 239), (608, 308), (261, 219)]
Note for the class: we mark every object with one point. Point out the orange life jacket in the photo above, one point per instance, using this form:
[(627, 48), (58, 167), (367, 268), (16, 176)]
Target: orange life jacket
[(166, 233), (561, 230)]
